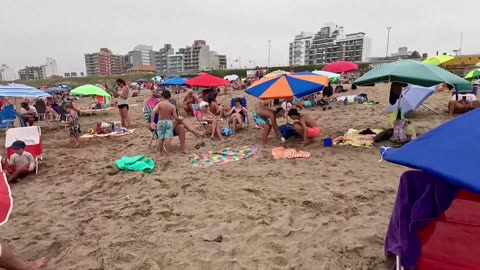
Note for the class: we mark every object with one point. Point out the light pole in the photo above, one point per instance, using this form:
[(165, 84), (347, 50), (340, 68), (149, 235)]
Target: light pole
[(388, 39), (269, 43), (252, 61)]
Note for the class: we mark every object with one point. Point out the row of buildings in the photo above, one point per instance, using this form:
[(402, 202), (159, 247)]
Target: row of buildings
[(143, 58), (47, 70), (330, 44)]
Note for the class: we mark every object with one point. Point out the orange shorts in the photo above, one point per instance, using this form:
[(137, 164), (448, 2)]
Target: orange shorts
[(313, 132)]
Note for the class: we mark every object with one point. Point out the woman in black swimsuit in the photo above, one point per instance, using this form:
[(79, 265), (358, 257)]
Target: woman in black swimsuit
[(236, 116)]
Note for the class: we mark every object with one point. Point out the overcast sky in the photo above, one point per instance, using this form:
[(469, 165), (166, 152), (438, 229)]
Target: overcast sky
[(31, 30)]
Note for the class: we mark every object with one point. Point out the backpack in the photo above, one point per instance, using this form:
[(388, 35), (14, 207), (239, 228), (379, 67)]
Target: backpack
[(399, 131)]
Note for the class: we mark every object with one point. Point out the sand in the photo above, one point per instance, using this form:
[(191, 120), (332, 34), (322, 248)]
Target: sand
[(330, 211)]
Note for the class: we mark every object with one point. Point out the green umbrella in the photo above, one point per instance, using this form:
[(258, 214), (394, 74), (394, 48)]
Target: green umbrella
[(89, 90), (474, 74), (409, 71), (438, 60), (332, 77)]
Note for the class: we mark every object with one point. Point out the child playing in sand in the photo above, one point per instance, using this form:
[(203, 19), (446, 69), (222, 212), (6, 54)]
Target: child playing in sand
[(74, 130), (20, 164), (167, 112), (267, 119), (306, 126)]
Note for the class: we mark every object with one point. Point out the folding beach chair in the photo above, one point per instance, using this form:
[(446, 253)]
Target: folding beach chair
[(244, 104), (41, 108), (31, 136), (7, 117), (147, 113)]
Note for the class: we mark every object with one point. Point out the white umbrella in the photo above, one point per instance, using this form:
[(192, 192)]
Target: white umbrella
[(232, 77)]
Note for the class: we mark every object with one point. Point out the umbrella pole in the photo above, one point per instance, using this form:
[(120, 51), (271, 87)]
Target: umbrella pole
[(430, 109)]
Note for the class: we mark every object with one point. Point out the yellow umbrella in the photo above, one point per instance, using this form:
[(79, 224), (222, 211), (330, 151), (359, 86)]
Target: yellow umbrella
[(276, 73), (438, 60)]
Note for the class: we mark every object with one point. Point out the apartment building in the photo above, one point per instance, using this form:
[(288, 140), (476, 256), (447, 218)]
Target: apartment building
[(141, 55), (161, 58), (104, 63), (32, 73), (7, 73), (330, 44), (175, 63), (198, 57)]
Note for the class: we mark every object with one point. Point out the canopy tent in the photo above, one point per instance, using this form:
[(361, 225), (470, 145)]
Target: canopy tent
[(207, 80), (174, 81), (89, 90), (287, 86), (412, 97), (21, 91), (340, 67), (414, 72), (438, 60), (449, 151)]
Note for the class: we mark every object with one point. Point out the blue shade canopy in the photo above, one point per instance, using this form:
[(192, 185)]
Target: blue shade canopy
[(54, 90), (412, 97), (174, 81), (21, 91), (449, 151)]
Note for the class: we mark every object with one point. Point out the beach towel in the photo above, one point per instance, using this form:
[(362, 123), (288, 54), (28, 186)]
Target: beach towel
[(353, 138), (136, 164), (283, 153), (112, 134), (221, 157)]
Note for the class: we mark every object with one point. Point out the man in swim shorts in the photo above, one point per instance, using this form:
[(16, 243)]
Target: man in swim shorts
[(267, 119), (305, 125), (167, 114)]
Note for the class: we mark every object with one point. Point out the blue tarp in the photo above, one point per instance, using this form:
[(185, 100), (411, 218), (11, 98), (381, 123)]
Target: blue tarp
[(449, 151), (174, 81), (21, 91), (412, 97)]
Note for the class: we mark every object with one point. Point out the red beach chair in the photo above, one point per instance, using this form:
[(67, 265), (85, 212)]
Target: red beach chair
[(31, 136), (6, 201)]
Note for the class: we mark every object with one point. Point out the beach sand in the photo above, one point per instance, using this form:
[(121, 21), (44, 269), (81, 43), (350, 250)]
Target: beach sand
[(330, 211)]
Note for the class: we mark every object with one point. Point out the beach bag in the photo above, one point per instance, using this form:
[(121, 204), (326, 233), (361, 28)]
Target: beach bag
[(399, 131), (227, 132), (104, 127)]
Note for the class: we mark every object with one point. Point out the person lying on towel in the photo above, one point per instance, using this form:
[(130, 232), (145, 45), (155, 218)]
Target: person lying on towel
[(20, 164), (305, 125), (464, 104)]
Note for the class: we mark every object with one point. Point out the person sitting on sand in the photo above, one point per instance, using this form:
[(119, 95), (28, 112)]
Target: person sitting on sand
[(29, 113), (463, 105), (74, 129), (305, 125), (10, 260), (237, 114), (167, 112), (20, 164), (267, 119), (211, 121), (286, 106), (188, 101)]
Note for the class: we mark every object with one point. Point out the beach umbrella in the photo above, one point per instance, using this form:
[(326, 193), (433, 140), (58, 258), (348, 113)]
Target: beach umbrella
[(287, 86), (333, 77), (474, 74), (206, 80), (449, 151), (6, 200), (157, 78), (89, 90), (477, 64), (438, 60), (414, 72), (21, 91), (340, 67), (232, 77), (55, 90), (174, 81), (276, 73), (412, 97)]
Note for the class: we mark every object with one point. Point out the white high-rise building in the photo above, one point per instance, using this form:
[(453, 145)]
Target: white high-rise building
[(7, 74), (51, 68), (299, 49)]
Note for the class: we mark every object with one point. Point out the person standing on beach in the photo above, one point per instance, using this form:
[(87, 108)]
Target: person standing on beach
[(306, 126), (167, 112), (122, 103), (267, 119)]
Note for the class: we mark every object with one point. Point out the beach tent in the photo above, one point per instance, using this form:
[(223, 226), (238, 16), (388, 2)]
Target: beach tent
[(412, 97), (287, 86), (436, 218), (340, 67)]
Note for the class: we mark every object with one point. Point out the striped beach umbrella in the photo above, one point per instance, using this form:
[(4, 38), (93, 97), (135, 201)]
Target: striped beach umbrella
[(287, 86)]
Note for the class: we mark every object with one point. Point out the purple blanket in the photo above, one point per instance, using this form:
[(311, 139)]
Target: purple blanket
[(421, 198)]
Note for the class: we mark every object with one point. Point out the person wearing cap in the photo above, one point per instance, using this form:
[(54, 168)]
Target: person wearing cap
[(20, 164), (305, 125)]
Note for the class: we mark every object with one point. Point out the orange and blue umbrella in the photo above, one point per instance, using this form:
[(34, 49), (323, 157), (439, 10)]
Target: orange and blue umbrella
[(287, 86)]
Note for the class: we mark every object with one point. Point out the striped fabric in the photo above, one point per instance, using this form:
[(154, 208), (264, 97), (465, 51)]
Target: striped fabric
[(283, 153)]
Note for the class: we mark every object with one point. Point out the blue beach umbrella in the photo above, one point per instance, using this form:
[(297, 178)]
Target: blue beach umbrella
[(413, 97), (449, 151), (174, 81), (21, 91)]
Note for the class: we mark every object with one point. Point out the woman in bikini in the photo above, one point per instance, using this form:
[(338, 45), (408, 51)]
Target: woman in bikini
[(237, 114), (211, 122)]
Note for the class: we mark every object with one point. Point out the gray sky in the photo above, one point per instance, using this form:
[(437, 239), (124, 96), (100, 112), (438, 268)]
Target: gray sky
[(31, 30)]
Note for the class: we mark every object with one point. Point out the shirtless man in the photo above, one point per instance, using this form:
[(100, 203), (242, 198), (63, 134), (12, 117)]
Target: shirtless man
[(462, 105), (267, 119), (306, 126), (167, 112)]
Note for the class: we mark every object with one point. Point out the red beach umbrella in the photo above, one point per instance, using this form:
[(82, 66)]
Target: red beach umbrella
[(341, 67), (207, 80)]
